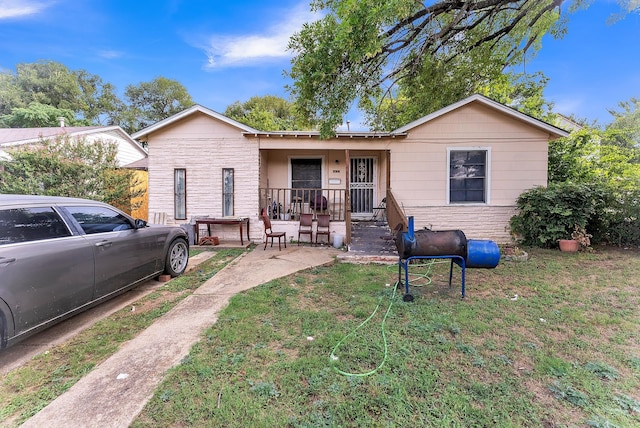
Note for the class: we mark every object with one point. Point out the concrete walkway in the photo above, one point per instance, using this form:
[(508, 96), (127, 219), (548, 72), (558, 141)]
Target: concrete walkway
[(115, 392)]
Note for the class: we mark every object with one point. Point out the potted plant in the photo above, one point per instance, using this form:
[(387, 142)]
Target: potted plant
[(584, 239), (580, 240), (568, 245)]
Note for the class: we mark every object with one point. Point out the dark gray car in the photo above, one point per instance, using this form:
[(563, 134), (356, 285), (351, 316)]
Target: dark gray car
[(60, 256)]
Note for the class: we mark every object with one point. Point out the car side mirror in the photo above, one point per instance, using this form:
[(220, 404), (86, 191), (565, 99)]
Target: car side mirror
[(140, 224)]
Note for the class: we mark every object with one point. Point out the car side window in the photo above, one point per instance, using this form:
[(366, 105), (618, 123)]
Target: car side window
[(99, 219), (31, 224)]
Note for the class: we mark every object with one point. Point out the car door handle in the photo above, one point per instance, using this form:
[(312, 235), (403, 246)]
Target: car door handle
[(6, 261), (104, 244)]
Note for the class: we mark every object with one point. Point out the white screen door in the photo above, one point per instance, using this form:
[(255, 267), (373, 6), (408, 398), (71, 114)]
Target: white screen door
[(362, 185)]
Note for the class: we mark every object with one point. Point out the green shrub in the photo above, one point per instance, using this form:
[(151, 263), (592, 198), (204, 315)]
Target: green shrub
[(546, 214), (618, 223)]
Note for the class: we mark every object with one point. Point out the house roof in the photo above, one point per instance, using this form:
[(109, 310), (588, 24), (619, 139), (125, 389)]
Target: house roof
[(197, 108), (477, 98), (139, 164), (18, 136), (400, 132), (29, 135)]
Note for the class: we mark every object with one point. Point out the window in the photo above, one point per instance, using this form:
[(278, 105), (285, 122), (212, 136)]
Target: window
[(306, 174), (30, 224), (99, 219), (468, 176), (227, 191), (180, 194)]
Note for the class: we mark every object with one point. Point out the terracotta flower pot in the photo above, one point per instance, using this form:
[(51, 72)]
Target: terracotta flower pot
[(568, 245)]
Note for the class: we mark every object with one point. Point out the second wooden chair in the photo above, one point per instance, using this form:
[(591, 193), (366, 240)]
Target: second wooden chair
[(306, 227)]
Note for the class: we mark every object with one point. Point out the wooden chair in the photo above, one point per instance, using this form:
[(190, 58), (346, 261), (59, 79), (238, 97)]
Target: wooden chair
[(271, 234), (306, 227), (323, 227)]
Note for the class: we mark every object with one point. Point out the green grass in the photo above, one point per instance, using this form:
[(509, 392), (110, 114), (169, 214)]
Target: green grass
[(25, 391), (565, 352)]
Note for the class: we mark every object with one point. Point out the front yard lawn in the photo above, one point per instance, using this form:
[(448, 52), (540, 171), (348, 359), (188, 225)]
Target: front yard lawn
[(554, 341)]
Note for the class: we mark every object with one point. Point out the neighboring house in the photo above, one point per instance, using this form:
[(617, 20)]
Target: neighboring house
[(462, 167), (128, 149), (130, 153), (567, 123)]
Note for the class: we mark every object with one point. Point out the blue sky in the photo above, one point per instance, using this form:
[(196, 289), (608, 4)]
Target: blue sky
[(224, 51)]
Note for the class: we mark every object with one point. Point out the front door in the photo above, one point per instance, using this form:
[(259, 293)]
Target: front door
[(362, 186)]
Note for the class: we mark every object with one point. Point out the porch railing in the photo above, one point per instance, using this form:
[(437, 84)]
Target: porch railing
[(287, 203), (395, 214)]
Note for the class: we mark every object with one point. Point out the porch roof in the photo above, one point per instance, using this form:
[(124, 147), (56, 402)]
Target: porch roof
[(316, 134)]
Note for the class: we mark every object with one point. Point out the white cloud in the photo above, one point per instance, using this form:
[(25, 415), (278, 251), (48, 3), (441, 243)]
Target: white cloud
[(249, 49), (110, 54), (19, 8), (568, 104)]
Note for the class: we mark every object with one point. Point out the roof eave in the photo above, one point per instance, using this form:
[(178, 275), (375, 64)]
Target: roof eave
[(553, 130), (187, 112)]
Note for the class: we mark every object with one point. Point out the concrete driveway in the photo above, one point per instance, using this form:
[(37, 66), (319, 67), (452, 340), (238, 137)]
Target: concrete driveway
[(117, 390)]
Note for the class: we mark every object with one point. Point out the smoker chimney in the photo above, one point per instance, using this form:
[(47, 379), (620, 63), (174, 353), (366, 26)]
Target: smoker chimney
[(61, 120)]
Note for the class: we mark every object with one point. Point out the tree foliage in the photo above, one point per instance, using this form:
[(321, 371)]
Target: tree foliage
[(37, 92), (363, 49), (594, 182), (67, 166), (267, 113), (626, 123), (37, 115), (150, 102), (45, 82)]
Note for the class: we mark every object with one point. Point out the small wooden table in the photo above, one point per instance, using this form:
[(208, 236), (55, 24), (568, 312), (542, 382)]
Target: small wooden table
[(224, 220)]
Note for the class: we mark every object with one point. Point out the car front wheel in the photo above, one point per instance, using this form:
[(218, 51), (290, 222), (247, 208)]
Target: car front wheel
[(177, 258)]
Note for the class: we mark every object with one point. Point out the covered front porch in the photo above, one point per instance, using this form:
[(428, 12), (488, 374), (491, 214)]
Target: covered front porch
[(347, 185)]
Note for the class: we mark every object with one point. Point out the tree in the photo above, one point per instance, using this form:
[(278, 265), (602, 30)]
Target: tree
[(67, 166), (362, 49), (429, 93), (86, 95), (626, 123), (52, 84), (153, 101), (267, 113), (594, 182), (97, 100), (45, 82), (37, 115)]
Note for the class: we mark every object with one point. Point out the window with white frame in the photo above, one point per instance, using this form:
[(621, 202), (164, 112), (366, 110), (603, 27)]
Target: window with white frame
[(180, 193), (227, 191), (468, 175)]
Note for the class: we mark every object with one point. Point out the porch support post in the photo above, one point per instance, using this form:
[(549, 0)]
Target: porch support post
[(388, 183), (347, 196)]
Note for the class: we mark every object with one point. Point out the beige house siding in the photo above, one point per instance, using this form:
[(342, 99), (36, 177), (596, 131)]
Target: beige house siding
[(412, 161), (204, 146), (477, 222), (517, 162)]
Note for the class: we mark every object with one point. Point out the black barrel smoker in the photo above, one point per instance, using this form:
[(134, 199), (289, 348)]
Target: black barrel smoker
[(444, 244)]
